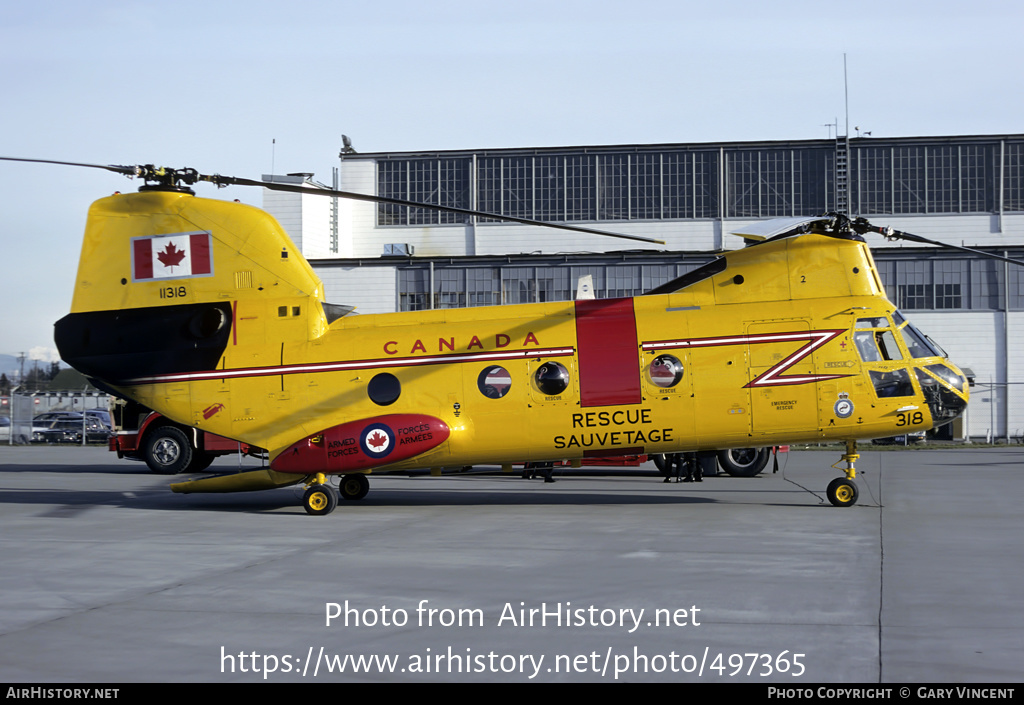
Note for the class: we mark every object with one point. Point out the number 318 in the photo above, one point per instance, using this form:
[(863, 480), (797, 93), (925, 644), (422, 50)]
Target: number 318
[(910, 419)]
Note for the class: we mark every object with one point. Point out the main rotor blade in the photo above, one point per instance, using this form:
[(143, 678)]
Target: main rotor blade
[(273, 186), (776, 227), (117, 169), (190, 176)]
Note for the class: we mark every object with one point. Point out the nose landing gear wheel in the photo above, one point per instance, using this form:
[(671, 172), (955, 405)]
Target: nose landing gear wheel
[(319, 500), (842, 492), (354, 486)]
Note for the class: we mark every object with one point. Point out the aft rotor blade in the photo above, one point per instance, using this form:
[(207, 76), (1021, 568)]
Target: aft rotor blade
[(893, 234), (235, 181)]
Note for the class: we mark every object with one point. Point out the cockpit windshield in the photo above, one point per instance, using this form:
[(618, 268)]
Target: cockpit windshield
[(917, 343), (876, 341)]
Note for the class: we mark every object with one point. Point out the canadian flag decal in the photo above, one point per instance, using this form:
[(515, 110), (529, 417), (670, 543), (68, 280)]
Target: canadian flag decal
[(177, 256)]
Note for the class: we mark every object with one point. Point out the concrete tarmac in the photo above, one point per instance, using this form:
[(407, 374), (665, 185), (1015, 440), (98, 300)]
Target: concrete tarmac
[(606, 575)]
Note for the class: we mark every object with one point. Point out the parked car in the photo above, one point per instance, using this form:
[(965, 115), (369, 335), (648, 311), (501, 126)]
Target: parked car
[(102, 415), (50, 416), (70, 429), (42, 422), (904, 440)]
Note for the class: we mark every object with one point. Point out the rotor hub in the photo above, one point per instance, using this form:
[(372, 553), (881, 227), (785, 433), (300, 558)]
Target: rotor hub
[(160, 178)]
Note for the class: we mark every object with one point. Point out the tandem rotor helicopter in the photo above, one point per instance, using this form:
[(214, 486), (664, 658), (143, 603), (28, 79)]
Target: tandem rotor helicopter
[(204, 311)]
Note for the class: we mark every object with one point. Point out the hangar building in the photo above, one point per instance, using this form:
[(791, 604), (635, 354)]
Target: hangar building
[(966, 190)]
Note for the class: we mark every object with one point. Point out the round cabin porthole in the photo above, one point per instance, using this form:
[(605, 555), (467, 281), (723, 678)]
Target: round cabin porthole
[(551, 378), (666, 371), (384, 389), (494, 382)]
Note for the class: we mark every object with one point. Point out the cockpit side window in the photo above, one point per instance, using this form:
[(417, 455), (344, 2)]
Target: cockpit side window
[(866, 347), (875, 340), (873, 322)]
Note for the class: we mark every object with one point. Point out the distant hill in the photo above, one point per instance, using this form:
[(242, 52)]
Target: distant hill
[(71, 380), (9, 366)]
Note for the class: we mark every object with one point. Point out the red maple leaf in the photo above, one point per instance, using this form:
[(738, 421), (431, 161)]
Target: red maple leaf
[(377, 439), (171, 255)]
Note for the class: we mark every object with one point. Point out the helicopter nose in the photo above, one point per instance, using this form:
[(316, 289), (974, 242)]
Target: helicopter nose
[(949, 400), (945, 406), (955, 404), (946, 396)]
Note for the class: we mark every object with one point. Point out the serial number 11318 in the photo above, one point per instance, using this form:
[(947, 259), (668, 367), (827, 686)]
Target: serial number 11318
[(173, 292)]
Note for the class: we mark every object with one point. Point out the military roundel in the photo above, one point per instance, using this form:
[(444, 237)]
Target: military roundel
[(377, 440)]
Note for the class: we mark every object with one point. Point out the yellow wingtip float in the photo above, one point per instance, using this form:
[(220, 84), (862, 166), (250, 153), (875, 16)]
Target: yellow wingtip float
[(204, 311)]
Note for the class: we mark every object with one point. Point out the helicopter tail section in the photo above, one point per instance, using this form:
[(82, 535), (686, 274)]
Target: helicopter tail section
[(163, 277)]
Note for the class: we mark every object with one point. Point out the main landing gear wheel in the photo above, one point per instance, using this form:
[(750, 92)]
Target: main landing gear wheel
[(744, 462), (354, 486), (319, 500), (842, 492)]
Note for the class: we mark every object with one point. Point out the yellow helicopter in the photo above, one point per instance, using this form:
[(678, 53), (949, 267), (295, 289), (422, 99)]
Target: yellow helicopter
[(204, 311)]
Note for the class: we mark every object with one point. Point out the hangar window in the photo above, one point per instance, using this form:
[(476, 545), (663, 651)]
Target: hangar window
[(552, 378), (414, 290), (666, 371), (494, 382), (924, 178), (622, 280), (505, 185), (440, 181), (702, 181)]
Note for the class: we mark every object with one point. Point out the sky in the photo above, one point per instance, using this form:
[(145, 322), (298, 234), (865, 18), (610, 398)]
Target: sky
[(247, 88)]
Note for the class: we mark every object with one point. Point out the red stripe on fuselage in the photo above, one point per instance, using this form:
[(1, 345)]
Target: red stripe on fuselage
[(609, 360), (337, 366)]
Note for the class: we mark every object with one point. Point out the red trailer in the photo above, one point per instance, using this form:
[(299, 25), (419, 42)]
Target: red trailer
[(166, 446)]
